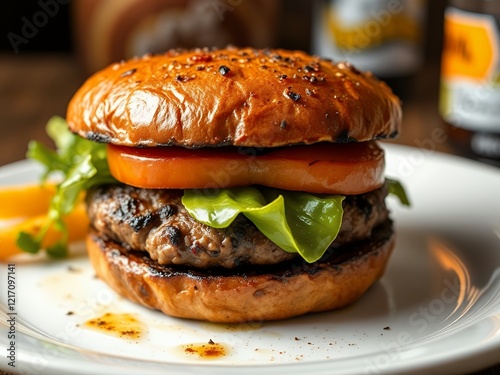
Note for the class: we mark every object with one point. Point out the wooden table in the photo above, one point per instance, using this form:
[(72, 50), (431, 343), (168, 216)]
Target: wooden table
[(34, 88)]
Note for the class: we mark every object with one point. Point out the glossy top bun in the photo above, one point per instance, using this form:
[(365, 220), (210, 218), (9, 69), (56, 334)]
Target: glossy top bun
[(240, 97)]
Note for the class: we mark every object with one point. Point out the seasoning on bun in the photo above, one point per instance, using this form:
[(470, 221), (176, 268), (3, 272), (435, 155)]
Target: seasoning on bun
[(193, 134)]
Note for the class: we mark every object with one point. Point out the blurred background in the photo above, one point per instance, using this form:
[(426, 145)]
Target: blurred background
[(49, 47)]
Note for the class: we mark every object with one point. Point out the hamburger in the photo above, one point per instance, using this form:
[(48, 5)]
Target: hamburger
[(250, 185)]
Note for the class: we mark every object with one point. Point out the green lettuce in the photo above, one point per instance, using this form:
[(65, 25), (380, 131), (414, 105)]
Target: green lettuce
[(80, 164), (295, 221), (394, 187)]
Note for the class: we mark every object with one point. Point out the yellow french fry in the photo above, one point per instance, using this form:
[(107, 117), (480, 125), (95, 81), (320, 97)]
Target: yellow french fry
[(25, 201), (76, 221)]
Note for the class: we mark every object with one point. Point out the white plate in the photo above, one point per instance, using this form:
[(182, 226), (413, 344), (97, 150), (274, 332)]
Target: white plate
[(436, 310)]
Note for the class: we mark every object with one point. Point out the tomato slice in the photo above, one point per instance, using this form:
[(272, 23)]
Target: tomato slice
[(352, 168)]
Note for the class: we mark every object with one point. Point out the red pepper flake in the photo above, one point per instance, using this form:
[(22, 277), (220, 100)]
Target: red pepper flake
[(224, 70), (196, 249)]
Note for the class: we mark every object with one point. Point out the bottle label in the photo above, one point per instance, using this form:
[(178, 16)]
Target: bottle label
[(383, 36), (470, 71)]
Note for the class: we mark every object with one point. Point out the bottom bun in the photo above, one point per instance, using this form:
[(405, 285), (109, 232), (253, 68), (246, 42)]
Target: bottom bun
[(250, 294)]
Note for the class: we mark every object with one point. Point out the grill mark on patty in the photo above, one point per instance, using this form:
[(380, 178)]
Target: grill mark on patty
[(127, 211), (140, 222), (174, 235), (130, 209), (155, 221)]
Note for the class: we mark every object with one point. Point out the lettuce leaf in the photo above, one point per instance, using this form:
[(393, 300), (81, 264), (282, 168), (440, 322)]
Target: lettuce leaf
[(395, 188), (81, 164), (297, 222)]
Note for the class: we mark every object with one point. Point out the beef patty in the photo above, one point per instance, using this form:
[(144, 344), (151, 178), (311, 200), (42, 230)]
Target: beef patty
[(155, 221)]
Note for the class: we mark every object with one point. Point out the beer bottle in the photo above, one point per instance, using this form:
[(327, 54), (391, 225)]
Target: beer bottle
[(469, 100), (381, 36)]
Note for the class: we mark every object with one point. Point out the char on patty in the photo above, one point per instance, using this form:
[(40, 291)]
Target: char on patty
[(155, 221)]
